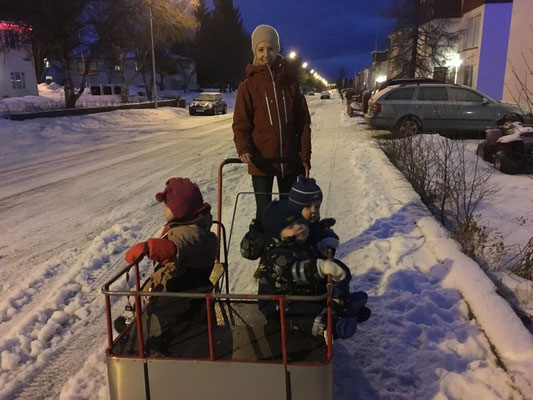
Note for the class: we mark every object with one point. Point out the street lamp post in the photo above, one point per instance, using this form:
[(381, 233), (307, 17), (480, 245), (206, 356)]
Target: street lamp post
[(153, 57)]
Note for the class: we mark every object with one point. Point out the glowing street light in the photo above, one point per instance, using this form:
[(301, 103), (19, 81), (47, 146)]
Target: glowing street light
[(292, 54), (304, 65), (312, 71)]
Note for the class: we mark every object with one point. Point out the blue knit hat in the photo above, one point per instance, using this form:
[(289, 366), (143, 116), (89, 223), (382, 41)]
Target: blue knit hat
[(304, 192), (278, 215)]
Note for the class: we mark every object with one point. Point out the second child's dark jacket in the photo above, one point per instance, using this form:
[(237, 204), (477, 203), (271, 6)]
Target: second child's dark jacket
[(286, 267)]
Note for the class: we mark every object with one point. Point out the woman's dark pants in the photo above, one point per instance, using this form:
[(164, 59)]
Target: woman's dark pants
[(264, 184)]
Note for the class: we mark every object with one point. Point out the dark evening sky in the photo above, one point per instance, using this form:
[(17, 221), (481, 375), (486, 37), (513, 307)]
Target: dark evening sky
[(326, 33)]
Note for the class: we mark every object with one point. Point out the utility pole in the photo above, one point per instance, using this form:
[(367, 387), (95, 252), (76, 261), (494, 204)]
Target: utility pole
[(153, 57)]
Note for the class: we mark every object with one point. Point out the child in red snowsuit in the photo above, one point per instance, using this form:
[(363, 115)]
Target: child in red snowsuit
[(187, 249), (185, 255)]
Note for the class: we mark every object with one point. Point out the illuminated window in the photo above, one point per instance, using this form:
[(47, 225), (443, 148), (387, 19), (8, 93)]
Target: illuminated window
[(46, 63), (117, 68), (18, 81)]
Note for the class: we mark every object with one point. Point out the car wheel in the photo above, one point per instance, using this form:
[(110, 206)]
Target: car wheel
[(485, 151), (504, 163), (408, 126), (191, 112), (225, 110)]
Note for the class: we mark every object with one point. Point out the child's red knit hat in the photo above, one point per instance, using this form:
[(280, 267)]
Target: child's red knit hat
[(183, 198)]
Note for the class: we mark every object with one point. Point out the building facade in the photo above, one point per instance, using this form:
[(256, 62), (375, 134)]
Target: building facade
[(104, 76), (483, 48), (17, 70)]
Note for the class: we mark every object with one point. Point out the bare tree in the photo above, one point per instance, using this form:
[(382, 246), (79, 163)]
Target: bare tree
[(126, 32), (422, 36)]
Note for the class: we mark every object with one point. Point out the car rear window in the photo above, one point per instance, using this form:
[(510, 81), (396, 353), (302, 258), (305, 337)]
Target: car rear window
[(401, 94), (459, 94), (432, 93)]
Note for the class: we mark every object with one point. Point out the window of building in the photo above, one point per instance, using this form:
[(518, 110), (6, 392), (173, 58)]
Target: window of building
[(117, 68), (432, 93), (18, 80), (402, 94), (93, 68), (11, 39), (473, 26), (468, 75)]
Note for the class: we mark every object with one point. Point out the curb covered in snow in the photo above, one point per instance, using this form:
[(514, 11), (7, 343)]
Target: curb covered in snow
[(514, 344)]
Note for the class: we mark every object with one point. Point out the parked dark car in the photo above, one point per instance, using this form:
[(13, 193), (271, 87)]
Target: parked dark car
[(412, 108), (208, 103)]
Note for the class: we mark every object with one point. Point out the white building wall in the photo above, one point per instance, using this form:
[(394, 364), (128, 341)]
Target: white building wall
[(520, 54), (17, 61)]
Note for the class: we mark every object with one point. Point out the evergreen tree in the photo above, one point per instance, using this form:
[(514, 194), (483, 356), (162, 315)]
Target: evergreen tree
[(201, 54), (229, 44)]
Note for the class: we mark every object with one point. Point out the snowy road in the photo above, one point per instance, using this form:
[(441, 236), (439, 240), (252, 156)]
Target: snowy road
[(70, 208)]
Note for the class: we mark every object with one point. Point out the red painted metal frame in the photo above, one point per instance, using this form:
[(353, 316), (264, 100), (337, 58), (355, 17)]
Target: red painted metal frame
[(138, 294), (209, 299)]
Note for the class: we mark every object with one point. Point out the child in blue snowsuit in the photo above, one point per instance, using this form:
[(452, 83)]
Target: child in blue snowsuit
[(289, 266), (307, 196)]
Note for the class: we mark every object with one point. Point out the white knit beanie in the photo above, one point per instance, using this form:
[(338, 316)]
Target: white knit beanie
[(265, 33)]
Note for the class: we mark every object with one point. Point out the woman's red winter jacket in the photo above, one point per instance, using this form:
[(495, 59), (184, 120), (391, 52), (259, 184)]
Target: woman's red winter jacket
[(271, 119)]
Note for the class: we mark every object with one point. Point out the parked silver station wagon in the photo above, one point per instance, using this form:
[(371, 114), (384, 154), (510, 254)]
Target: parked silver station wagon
[(412, 108)]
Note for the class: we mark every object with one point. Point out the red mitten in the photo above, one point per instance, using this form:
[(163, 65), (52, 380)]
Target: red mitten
[(136, 252), (160, 250)]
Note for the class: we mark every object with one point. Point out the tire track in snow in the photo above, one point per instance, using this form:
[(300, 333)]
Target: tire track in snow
[(42, 344)]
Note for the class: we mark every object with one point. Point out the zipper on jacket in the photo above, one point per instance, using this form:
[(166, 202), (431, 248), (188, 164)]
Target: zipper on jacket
[(279, 120), (284, 106), (268, 108)]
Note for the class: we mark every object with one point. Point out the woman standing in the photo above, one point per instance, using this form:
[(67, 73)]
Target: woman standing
[(271, 119)]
